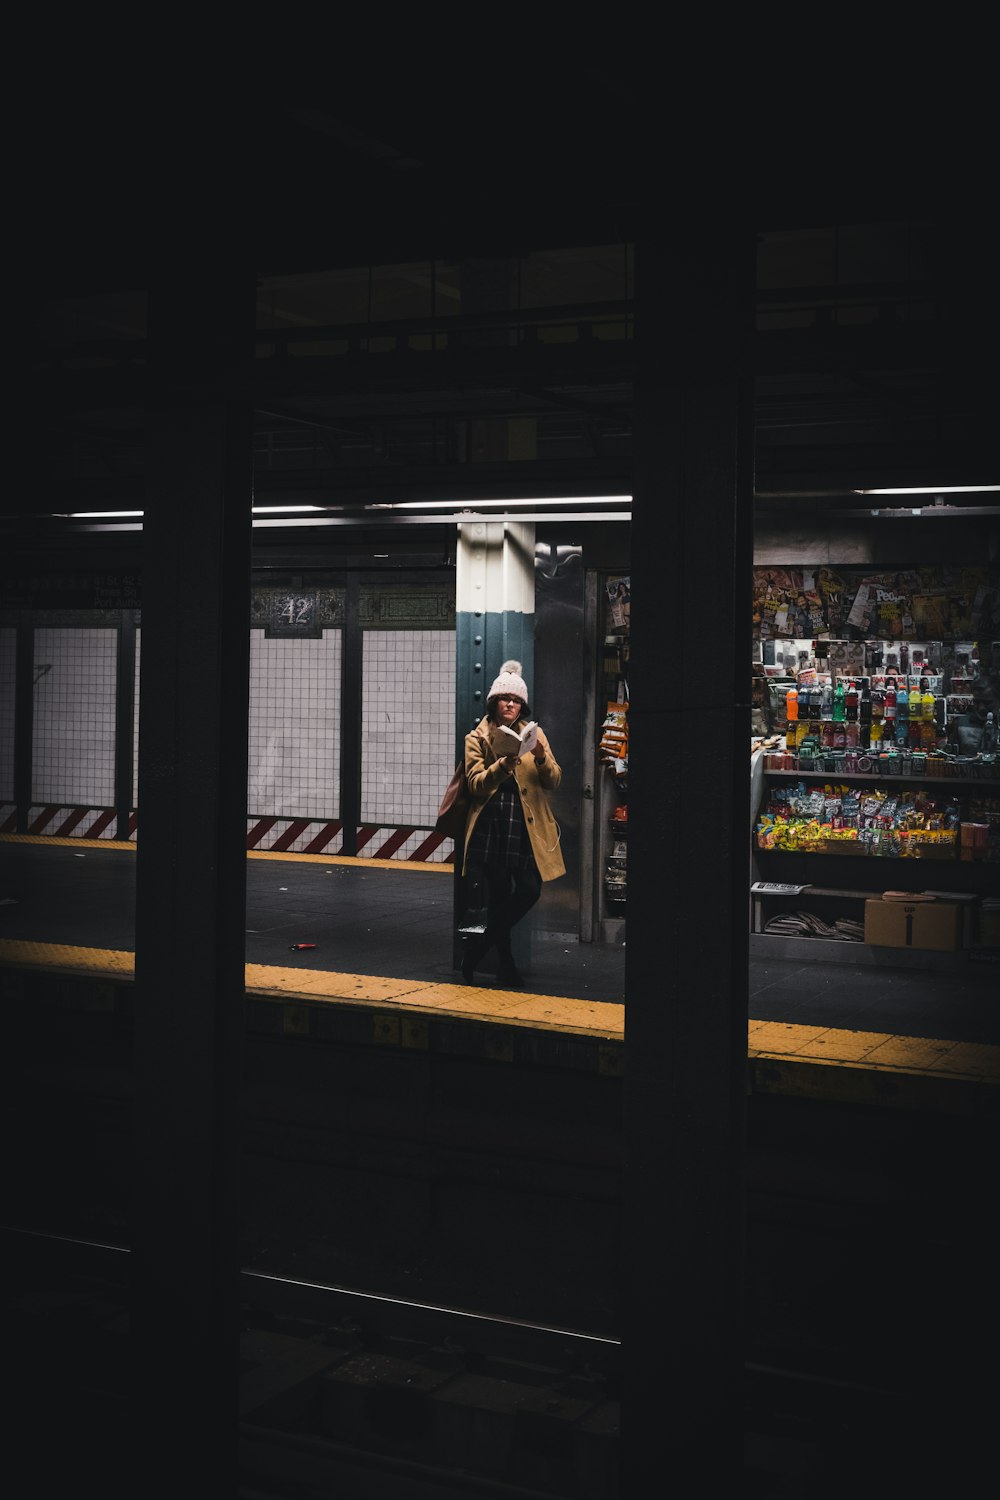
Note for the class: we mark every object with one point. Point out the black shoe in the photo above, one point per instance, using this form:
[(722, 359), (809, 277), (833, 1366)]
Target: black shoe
[(509, 978), (474, 952)]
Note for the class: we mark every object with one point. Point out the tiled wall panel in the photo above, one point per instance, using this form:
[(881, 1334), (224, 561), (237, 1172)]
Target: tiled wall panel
[(73, 736), (294, 749), (8, 650), (408, 724)]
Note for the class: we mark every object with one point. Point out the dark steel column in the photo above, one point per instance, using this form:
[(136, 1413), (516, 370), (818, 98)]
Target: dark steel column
[(191, 870), (687, 955), (124, 722), (350, 716), (24, 718)]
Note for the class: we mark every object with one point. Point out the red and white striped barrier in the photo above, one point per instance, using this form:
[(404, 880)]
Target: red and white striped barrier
[(305, 836), (421, 845), (58, 822), (295, 835), (271, 835)]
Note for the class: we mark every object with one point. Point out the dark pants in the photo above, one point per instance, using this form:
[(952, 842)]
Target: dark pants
[(510, 895)]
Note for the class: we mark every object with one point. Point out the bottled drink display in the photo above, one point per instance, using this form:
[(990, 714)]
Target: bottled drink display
[(891, 751), (815, 714), (902, 714), (880, 710)]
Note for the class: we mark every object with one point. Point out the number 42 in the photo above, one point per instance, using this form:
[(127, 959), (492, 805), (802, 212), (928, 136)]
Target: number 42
[(296, 611)]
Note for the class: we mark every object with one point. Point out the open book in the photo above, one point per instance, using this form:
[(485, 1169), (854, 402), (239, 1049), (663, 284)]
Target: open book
[(507, 741)]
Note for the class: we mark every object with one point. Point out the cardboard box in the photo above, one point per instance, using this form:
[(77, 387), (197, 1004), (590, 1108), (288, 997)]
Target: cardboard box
[(913, 924)]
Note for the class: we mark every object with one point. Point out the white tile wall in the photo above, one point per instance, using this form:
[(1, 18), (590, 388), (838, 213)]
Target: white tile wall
[(294, 742), (73, 735), (8, 653), (408, 724), (294, 749)]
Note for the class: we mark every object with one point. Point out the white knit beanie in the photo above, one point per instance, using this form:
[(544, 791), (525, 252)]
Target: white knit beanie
[(509, 683)]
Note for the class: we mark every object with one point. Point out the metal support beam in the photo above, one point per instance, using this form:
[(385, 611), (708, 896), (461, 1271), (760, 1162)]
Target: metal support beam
[(124, 721), (351, 717), (689, 716), (494, 621), (24, 710), (191, 873)]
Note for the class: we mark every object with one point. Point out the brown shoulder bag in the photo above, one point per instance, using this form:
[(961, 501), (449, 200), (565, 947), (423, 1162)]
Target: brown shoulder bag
[(454, 809)]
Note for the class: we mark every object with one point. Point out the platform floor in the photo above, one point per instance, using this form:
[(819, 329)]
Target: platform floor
[(848, 1270), (382, 935)]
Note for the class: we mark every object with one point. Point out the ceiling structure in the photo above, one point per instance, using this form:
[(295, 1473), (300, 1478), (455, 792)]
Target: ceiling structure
[(446, 301)]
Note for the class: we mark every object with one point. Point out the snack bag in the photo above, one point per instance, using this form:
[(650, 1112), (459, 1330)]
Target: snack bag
[(614, 731)]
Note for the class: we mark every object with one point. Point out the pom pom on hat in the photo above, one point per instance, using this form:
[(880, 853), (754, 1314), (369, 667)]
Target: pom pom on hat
[(509, 682)]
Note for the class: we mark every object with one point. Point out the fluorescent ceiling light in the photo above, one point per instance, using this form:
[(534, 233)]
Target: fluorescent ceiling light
[(110, 526), (482, 504), (108, 515), (457, 507), (934, 489), (458, 516)]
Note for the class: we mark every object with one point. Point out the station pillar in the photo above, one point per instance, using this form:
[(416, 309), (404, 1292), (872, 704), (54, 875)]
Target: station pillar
[(494, 623)]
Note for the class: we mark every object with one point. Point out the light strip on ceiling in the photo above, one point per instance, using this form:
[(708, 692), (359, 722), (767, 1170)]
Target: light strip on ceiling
[(934, 489), (459, 509), (459, 517), (496, 504), (288, 523)]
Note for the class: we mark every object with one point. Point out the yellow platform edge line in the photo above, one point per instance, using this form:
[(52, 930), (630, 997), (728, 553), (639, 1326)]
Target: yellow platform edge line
[(40, 838), (601, 1019), (871, 1052), (355, 861)]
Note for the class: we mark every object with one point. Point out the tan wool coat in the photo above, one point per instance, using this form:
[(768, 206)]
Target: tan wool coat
[(485, 772)]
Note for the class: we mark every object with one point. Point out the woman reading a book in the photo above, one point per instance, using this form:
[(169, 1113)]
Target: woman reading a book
[(511, 834)]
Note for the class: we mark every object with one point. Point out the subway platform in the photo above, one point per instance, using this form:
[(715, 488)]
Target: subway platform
[(381, 936), (844, 1202)]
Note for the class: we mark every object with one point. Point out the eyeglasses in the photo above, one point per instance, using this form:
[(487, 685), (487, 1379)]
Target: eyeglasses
[(508, 700)]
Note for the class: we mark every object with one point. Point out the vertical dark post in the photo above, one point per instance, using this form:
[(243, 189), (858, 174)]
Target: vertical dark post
[(124, 722), (24, 718), (350, 720), (687, 955), (191, 865)]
